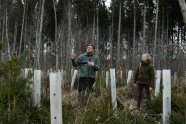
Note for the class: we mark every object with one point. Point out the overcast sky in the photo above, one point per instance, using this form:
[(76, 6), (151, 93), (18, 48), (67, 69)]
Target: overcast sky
[(108, 2)]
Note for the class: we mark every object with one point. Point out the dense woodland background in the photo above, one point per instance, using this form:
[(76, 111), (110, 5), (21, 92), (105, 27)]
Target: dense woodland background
[(51, 29), (41, 34)]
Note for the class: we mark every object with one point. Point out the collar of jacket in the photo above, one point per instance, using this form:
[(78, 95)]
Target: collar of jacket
[(145, 63), (89, 54)]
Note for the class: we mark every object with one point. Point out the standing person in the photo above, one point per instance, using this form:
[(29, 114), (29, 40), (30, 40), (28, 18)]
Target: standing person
[(88, 63), (144, 78)]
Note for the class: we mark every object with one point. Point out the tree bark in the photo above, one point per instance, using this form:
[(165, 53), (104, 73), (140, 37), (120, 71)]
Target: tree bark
[(93, 30), (119, 37), (182, 4), (155, 35), (22, 28), (56, 40), (144, 20), (97, 33), (15, 35), (134, 36), (38, 36), (69, 35), (6, 29)]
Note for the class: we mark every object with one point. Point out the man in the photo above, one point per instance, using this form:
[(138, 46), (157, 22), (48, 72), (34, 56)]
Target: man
[(144, 78), (89, 64)]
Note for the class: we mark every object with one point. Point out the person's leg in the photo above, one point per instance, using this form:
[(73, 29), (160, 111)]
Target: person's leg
[(147, 91), (140, 91), (82, 86), (147, 95), (90, 83)]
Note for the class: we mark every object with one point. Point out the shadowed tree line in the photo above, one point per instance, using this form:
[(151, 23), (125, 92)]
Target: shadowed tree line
[(120, 32)]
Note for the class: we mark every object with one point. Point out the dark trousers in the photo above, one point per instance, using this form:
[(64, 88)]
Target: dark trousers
[(140, 91), (85, 84)]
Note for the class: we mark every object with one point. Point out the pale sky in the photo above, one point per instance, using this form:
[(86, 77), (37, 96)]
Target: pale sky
[(107, 3)]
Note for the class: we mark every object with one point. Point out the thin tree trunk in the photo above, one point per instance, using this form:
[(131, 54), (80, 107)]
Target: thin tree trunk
[(7, 38), (22, 29), (93, 30), (97, 43), (26, 27), (178, 34), (56, 41), (69, 35), (38, 41), (110, 46), (3, 33), (162, 37), (112, 35), (155, 36), (118, 43), (15, 35), (167, 38), (134, 35), (144, 20), (182, 4)]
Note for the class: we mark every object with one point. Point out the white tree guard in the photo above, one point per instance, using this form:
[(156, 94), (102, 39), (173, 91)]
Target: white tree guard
[(107, 79), (113, 87), (55, 98), (129, 78), (73, 79), (166, 96), (157, 82), (37, 87)]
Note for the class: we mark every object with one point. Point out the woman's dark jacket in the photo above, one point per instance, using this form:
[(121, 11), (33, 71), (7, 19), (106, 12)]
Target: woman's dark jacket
[(144, 73)]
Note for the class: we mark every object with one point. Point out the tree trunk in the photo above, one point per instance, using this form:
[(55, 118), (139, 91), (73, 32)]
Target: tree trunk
[(182, 4), (112, 35), (155, 35), (6, 28), (26, 27), (118, 43), (15, 35), (3, 33), (110, 47), (134, 35), (22, 29), (97, 43), (56, 40), (93, 30), (38, 36), (69, 36), (162, 38), (167, 39), (144, 20)]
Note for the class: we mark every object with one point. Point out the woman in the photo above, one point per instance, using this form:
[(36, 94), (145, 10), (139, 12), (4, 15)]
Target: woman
[(144, 78)]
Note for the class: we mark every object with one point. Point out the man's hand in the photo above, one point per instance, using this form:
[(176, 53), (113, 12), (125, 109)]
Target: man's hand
[(72, 55), (90, 63)]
